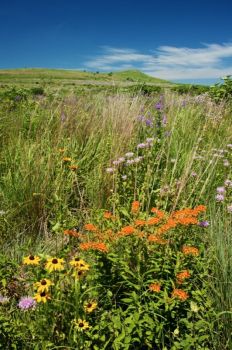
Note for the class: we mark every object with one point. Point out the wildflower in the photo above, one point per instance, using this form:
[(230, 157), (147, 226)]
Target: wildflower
[(138, 159), (140, 222), (159, 213), (141, 145), (203, 223), (129, 155), (43, 285), (229, 208), (100, 246), (80, 264), (180, 294), (187, 221), (181, 276), (73, 167), (41, 297), (26, 303), (135, 207), (148, 122), (4, 300), (155, 287), (193, 307), (121, 159), (116, 162), (156, 239), (130, 161), (128, 230), (159, 106), (110, 170), (31, 260), (107, 215), (226, 162), (124, 177), (219, 197), (67, 159), (73, 233), (228, 183), (200, 208), (90, 227), (81, 325), (193, 174), (90, 306), (150, 140), (54, 264), (2, 212), (153, 221), (189, 250), (79, 273), (221, 190)]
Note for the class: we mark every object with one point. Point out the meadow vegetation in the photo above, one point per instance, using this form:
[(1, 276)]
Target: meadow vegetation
[(115, 217)]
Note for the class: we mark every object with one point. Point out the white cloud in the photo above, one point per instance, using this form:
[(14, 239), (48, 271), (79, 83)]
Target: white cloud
[(169, 62)]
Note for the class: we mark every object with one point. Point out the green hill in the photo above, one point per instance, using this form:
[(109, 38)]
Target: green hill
[(37, 75)]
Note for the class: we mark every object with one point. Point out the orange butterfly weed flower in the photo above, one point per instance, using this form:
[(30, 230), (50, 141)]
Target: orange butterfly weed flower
[(189, 250), (90, 227), (187, 221), (135, 207), (180, 294), (153, 221), (73, 233), (140, 222), (160, 214), (100, 246), (200, 208), (155, 287), (169, 225), (128, 230), (181, 276), (107, 215), (157, 239)]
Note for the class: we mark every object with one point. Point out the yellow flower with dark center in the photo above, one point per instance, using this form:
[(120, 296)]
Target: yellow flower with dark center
[(81, 325), (43, 285), (31, 260), (79, 264), (67, 159), (54, 264), (90, 306), (79, 274), (41, 297)]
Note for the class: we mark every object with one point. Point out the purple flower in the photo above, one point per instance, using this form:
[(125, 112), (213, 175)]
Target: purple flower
[(150, 139), (138, 159), (203, 223), (148, 122), (116, 162), (193, 174), (159, 106), (141, 145), (219, 197), (130, 161), (221, 190), (26, 303), (141, 118), (229, 208), (121, 159)]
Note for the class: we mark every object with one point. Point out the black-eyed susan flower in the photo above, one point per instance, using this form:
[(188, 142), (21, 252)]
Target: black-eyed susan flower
[(79, 273), (79, 264), (90, 306), (81, 325), (54, 264), (31, 260), (43, 285), (41, 297)]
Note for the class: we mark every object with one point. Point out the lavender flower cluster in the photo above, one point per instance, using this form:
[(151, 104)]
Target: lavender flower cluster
[(221, 192)]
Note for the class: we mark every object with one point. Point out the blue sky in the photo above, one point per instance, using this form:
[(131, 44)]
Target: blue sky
[(175, 40)]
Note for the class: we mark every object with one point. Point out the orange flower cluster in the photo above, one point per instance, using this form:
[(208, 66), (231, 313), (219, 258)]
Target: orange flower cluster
[(127, 230), (90, 227), (157, 239), (180, 294), (189, 250), (135, 207), (73, 167), (160, 214), (169, 225), (181, 276), (73, 233), (153, 221), (140, 222), (100, 246), (155, 287), (107, 215)]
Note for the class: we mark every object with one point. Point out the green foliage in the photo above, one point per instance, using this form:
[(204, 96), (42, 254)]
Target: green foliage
[(222, 91), (191, 89)]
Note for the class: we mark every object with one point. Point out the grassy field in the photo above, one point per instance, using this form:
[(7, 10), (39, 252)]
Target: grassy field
[(115, 214)]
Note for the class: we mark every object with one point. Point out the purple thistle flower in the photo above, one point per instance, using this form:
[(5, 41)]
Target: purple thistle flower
[(130, 161), (221, 190), (159, 106), (150, 139), (193, 173), (4, 300), (148, 122), (203, 223), (116, 162), (141, 118), (26, 303), (229, 208), (142, 145), (228, 183), (219, 197), (121, 159)]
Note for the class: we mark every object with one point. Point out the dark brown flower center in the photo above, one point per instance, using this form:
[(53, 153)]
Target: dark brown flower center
[(77, 259), (80, 273), (31, 257), (43, 282), (54, 261), (81, 324), (89, 305), (43, 294)]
